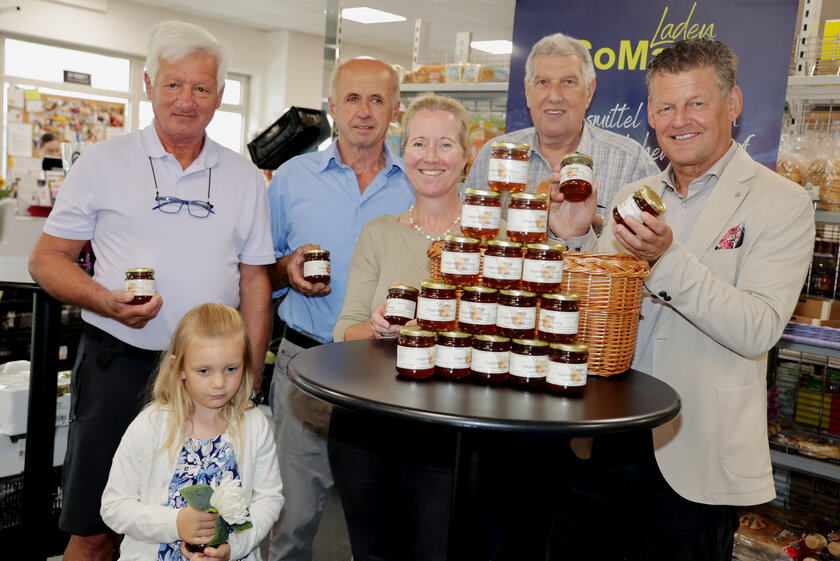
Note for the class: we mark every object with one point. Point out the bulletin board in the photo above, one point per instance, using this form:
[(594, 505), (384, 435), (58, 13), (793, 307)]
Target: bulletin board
[(72, 119)]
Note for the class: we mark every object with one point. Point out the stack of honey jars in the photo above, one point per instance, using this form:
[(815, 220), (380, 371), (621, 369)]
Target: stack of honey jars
[(497, 314)]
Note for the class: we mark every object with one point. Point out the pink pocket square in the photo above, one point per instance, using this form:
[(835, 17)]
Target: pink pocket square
[(733, 238)]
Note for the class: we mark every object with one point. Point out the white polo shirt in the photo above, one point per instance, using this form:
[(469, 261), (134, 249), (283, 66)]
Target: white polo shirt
[(108, 198)]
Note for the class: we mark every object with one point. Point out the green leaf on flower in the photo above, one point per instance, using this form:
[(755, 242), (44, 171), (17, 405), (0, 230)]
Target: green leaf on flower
[(242, 527), (221, 535), (198, 496)]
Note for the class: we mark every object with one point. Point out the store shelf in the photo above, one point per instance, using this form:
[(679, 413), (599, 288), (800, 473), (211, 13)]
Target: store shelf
[(802, 464), (456, 88), (828, 216), (802, 348)]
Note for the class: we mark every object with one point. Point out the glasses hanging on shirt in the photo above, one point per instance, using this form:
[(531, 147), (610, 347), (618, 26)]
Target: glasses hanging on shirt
[(173, 205)]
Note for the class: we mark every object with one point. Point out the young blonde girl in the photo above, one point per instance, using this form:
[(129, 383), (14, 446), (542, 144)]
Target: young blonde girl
[(201, 427)]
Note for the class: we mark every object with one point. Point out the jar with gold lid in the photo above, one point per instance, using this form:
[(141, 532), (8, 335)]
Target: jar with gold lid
[(316, 266), (436, 305), (400, 304), (416, 352), (559, 317), (642, 200), (460, 261), (141, 283), (527, 217), (542, 267), (490, 359), (528, 363), (508, 166), (452, 355), (481, 213), (477, 310), (567, 368), (517, 313), (502, 264), (576, 177)]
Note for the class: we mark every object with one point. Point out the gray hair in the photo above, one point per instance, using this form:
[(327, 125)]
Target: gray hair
[(560, 45), (174, 41), (392, 72), (689, 54)]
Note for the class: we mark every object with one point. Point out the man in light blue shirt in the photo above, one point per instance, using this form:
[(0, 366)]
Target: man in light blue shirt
[(324, 199)]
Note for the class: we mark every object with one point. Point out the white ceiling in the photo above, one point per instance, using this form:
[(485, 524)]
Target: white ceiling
[(486, 19)]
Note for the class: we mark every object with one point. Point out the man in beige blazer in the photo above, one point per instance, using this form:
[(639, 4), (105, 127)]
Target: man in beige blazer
[(728, 260)]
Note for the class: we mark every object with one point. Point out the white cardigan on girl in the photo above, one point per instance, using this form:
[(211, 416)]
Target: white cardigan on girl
[(134, 500)]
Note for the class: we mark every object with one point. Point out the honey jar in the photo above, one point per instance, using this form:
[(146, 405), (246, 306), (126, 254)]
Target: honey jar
[(508, 166), (559, 316), (436, 305), (481, 213), (527, 218), (576, 177), (542, 267), (477, 310), (642, 200), (452, 354), (400, 304), (141, 282), (460, 261), (490, 359), (502, 264), (517, 313), (316, 266), (528, 363), (415, 352), (567, 368)]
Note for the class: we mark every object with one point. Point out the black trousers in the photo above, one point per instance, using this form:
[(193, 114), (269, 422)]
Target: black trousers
[(108, 388)]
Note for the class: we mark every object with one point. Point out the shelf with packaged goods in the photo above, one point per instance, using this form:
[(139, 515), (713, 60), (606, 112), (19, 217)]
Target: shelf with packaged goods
[(482, 87)]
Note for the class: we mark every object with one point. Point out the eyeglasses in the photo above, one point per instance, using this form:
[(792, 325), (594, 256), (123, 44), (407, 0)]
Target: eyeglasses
[(173, 205)]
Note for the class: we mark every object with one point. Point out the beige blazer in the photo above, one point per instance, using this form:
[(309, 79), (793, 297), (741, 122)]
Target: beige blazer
[(728, 308)]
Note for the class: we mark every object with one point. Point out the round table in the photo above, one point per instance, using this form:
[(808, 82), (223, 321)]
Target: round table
[(361, 376)]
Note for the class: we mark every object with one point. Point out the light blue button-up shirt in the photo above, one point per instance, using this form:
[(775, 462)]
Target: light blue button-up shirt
[(315, 199)]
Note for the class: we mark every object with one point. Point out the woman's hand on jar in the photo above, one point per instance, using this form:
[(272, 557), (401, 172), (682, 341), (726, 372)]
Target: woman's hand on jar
[(568, 220), (380, 327)]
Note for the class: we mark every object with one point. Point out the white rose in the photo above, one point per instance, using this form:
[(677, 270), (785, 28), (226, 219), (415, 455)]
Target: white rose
[(229, 499)]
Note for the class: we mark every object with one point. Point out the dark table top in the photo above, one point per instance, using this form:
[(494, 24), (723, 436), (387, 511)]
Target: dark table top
[(361, 376)]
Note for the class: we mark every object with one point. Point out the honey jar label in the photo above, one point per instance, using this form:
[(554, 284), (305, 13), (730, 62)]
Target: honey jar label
[(415, 358), (490, 362), (505, 268), (433, 309), (481, 217), (536, 270), (316, 268), (141, 287), (456, 263), (507, 171), (452, 357), (628, 207), (400, 307), (560, 323), (527, 366), (477, 313), (527, 221), (511, 317), (565, 374), (576, 171)]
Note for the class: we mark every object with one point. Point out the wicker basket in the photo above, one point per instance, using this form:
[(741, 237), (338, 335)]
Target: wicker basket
[(610, 290)]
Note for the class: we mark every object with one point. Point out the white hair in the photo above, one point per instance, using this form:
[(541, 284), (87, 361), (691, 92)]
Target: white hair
[(174, 41), (559, 45)]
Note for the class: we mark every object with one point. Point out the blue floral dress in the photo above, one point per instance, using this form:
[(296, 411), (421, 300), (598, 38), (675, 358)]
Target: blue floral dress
[(200, 461)]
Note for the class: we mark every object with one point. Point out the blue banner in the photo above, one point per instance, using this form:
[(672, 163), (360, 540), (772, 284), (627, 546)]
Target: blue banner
[(624, 36)]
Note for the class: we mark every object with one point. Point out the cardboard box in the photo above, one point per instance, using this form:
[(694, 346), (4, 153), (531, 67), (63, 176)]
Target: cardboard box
[(817, 308), (14, 398), (13, 452)]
